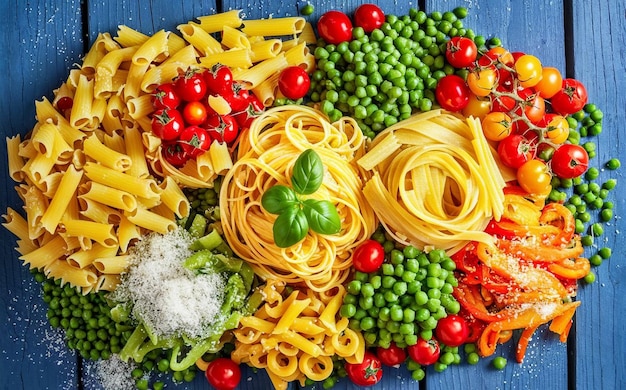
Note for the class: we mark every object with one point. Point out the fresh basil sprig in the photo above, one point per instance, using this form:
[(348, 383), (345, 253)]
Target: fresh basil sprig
[(295, 215)]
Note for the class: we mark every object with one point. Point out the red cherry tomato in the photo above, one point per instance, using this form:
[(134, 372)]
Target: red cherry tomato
[(461, 52), (65, 103), (569, 161), (167, 124), (294, 82), (255, 109), (237, 97), (425, 352), (334, 27), (369, 256), (570, 99), (195, 113), (219, 78), (392, 356), (191, 86), (367, 373), (452, 330), (515, 150), (223, 128), (223, 374), (369, 17), (174, 154), (195, 140), (452, 93), (165, 96)]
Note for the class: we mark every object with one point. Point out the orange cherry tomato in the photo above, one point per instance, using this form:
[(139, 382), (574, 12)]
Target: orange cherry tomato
[(557, 129), (534, 177), (550, 83), (529, 70), (496, 126), (481, 82), (478, 107)]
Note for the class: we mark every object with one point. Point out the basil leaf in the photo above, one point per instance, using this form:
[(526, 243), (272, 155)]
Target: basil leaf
[(322, 216), (308, 173), (278, 198), (290, 227)]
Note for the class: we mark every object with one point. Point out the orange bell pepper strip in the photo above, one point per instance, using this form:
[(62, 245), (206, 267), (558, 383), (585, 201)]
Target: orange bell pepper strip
[(571, 269), (470, 299), (515, 318), (557, 215), (538, 251), (523, 341), (562, 324)]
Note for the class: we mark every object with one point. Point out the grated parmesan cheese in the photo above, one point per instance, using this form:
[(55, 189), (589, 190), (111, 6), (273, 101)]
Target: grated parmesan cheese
[(170, 299)]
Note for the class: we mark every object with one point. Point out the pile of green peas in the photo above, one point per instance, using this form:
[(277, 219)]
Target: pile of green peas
[(404, 299), (587, 199), (384, 76)]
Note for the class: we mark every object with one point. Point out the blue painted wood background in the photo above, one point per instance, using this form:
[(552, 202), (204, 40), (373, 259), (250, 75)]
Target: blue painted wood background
[(42, 39)]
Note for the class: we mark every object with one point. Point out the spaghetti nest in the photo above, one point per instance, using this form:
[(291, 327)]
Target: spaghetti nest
[(266, 155), (435, 181)]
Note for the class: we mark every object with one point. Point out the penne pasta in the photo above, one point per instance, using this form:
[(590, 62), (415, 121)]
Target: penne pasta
[(65, 193), (274, 26)]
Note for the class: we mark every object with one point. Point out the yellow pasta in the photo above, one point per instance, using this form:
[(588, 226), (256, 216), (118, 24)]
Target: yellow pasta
[(98, 212), (200, 39), (102, 233), (233, 58), (291, 346), (82, 259), (216, 22), (16, 163), (112, 264), (174, 198), (274, 26), (434, 173), (265, 157), (146, 188), (105, 155), (63, 196), (151, 221), (255, 75), (112, 197)]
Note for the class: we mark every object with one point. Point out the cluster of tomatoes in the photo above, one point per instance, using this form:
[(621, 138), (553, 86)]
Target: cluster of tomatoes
[(336, 27), (523, 107), (198, 107)]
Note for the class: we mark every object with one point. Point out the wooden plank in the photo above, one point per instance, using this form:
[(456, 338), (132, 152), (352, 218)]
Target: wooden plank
[(41, 40), (598, 31)]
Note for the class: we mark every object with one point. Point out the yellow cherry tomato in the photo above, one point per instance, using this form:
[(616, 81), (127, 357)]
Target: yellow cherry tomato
[(529, 70), (478, 107), (557, 130), (551, 82), (481, 82), (496, 126), (534, 177)]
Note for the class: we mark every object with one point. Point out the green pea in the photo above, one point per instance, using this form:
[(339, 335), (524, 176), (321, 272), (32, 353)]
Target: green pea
[(499, 363), (596, 229), (606, 215), (590, 277), (604, 252), (473, 358), (347, 310), (595, 260), (613, 164)]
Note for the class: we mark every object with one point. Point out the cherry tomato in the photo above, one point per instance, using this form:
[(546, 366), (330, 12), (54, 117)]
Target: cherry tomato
[(569, 161), (369, 17), (369, 256), (219, 78), (481, 82), (515, 150), (571, 98), (223, 374), (425, 352), (367, 373), (190, 85), (392, 356), (294, 82), (195, 113), (534, 177), (529, 70), (496, 55), (534, 105), (334, 27), (237, 97), (195, 140), (550, 83), (461, 52), (496, 126), (255, 109), (452, 93), (503, 103), (65, 103), (174, 154), (478, 107), (452, 330), (167, 124), (223, 128), (556, 128), (165, 96)]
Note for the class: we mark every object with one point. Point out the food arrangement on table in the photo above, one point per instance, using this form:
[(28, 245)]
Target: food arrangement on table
[(315, 201)]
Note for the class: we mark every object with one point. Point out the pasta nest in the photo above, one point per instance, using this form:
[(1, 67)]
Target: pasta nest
[(266, 155), (435, 181)]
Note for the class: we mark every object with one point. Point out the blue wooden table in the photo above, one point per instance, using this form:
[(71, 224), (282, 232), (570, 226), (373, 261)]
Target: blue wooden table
[(42, 39)]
